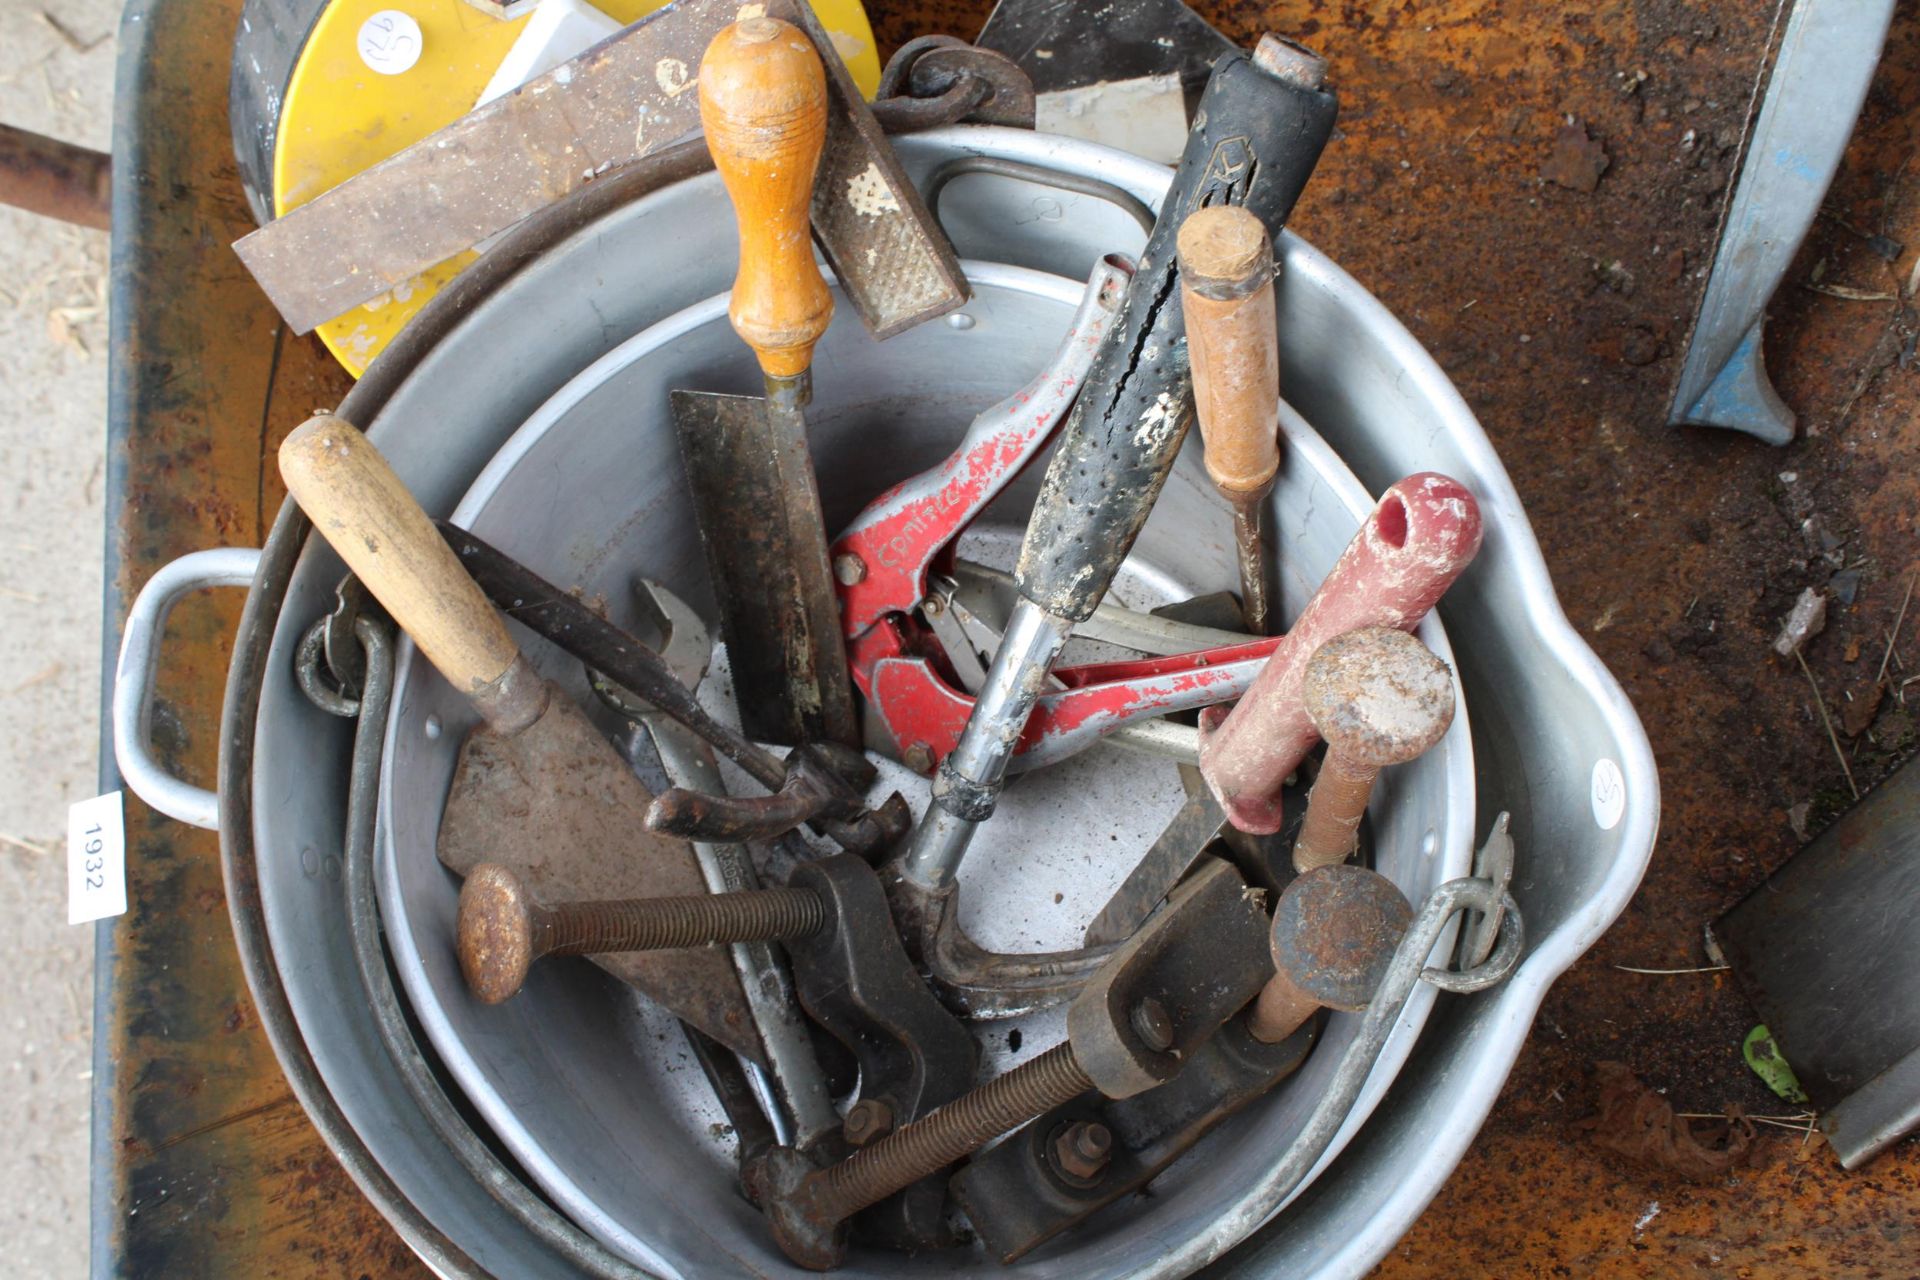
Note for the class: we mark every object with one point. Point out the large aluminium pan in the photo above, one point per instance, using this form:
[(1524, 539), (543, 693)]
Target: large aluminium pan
[(1556, 742)]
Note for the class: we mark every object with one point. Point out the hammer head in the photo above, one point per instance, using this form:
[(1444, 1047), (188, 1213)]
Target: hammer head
[(495, 932), (1335, 931), (1378, 696)]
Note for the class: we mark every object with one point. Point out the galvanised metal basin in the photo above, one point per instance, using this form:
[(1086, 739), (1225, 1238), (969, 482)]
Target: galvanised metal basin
[(1552, 739)]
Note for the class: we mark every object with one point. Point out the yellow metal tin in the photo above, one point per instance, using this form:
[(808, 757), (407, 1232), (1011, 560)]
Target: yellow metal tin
[(341, 116)]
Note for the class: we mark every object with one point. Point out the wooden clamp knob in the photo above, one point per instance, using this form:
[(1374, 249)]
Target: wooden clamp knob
[(361, 508), (1226, 290), (763, 103)]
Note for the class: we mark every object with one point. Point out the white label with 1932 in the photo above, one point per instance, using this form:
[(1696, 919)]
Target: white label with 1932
[(96, 859)]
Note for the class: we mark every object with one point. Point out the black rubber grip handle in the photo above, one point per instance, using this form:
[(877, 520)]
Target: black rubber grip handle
[(1255, 141)]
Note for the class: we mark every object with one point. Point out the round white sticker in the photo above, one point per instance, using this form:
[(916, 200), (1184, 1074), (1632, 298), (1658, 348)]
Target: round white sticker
[(1609, 794), (390, 42)]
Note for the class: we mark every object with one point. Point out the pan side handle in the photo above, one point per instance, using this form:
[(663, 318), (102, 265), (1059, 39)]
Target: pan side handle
[(133, 677)]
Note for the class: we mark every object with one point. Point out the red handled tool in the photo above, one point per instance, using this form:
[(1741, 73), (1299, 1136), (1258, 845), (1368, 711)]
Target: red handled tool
[(1422, 535)]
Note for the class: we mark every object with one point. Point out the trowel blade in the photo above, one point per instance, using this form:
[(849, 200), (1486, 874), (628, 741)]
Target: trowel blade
[(1819, 79), (556, 804)]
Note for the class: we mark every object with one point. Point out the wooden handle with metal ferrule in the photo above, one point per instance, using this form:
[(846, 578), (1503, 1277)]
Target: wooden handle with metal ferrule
[(1226, 291), (359, 506), (763, 103)]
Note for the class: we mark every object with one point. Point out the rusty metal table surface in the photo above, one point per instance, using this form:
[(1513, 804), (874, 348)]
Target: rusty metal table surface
[(1466, 189)]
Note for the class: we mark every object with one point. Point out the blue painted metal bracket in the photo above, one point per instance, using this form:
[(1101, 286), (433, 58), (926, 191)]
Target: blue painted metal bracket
[(1826, 61)]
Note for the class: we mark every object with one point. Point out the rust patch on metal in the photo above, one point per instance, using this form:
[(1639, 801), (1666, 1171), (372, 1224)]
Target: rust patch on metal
[(1378, 696), (1334, 933), (1578, 159), (554, 804)]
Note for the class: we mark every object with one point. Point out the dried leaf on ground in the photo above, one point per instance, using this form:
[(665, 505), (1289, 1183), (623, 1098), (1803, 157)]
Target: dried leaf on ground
[(1578, 159), (1857, 716), (1851, 294), (1635, 1122)]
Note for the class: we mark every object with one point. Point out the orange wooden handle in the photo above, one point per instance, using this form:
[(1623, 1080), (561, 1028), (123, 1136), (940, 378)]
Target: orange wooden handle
[(1226, 291), (763, 103)]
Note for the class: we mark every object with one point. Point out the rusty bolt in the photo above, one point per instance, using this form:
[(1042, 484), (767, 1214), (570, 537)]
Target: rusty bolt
[(849, 569), (868, 1120), (1379, 697), (502, 930), (1335, 930), (1082, 1149), (1152, 1025), (918, 757), (808, 1207)]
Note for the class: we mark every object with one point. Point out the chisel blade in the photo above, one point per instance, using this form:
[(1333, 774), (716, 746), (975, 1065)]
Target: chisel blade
[(757, 502)]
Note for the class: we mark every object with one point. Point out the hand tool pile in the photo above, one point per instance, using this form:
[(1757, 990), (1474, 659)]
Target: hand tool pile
[(848, 991)]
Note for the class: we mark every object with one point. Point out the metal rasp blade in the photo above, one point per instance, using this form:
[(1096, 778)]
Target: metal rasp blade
[(758, 506), (890, 254)]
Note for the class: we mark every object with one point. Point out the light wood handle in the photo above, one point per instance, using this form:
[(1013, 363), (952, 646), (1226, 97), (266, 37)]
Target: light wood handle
[(763, 103), (361, 508), (1226, 291)]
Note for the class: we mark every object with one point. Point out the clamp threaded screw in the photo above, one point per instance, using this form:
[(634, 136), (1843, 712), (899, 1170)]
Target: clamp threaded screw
[(808, 1212), (502, 930)]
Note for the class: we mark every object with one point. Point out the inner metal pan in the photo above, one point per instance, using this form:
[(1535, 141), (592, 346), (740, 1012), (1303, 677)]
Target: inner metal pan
[(589, 493)]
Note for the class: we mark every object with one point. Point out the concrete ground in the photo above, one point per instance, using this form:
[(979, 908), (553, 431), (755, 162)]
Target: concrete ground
[(56, 77)]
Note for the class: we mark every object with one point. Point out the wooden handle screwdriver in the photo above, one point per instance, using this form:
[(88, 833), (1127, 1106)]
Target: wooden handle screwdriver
[(1226, 288), (763, 103)]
